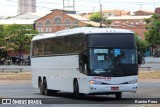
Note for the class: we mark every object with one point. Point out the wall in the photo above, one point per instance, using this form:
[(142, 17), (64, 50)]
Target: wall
[(57, 20)]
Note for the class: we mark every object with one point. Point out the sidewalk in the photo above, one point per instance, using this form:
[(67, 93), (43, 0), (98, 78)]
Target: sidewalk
[(152, 59), (25, 68)]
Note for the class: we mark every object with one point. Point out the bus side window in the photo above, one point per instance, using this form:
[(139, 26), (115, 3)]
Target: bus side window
[(83, 62)]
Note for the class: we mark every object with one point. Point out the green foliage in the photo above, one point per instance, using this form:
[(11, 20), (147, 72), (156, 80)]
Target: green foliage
[(141, 44), (89, 25), (97, 17), (147, 20), (21, 36), (152, 36), (3, 52), (16, 37), (108, 22), (2, 35)]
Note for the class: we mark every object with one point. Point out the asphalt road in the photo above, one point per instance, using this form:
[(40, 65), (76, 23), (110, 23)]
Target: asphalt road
[(145, 90)]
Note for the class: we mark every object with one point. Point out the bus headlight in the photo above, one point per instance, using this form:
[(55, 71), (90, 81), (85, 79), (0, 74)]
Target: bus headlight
[(132, 81), (95, 82)]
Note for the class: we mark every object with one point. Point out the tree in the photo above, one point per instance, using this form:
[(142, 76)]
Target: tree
[(2, 36), (108, 22), (97, 17), (3, 53), (19, 36), (152, 36), (141, 44)]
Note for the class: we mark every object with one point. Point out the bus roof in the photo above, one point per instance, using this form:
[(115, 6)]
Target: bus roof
[(85, 30)]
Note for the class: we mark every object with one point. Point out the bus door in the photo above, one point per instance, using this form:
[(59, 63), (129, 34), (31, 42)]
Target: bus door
[(84, 66), (84, 62)]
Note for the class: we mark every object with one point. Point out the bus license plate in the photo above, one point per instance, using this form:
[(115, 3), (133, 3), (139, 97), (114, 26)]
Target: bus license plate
[(114, 88)]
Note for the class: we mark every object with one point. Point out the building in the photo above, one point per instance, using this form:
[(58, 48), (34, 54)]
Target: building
[(157, 10), (25, 6), (20, 22), (86, 15), (143, 13), (60, 20), (23, 19), (134, 23), (28, 16), (107, 13)]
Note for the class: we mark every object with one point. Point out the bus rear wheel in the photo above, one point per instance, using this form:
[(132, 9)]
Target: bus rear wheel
[(41, 88), (46, 91), (118, 95)]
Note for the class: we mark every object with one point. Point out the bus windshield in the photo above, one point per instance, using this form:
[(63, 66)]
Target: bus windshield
[(113, 62)]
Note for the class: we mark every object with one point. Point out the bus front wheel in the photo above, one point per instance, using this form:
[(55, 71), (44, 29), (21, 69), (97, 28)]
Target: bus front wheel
[(118, 95), (76, 89)]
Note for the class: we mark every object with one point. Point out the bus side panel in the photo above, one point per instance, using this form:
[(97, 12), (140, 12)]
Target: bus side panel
[(58, 70), (35, 78)]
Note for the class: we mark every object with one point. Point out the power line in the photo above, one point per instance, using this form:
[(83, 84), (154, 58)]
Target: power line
[(88, 4)]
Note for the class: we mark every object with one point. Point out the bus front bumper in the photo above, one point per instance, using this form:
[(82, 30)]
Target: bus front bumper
[(94, 88)]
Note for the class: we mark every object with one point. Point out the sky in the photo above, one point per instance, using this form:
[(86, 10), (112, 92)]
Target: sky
[(10, 7)]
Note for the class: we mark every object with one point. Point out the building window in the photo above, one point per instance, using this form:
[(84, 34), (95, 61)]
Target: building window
[(48, 26), (47, 29), (137, 23), (117, 22), (141, 21), (75, 24), (67, 24), (50, 29), (109, 14), (48, 23), (57, 20), (131, 23), (40, 27)]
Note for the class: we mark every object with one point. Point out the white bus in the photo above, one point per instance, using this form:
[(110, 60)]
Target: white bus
[(86, 61)]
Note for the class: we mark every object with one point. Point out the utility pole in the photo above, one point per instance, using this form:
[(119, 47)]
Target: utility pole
[(100, 15), (63, 4), (74, 5)]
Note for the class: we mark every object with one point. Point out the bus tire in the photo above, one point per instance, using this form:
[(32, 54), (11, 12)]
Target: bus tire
[(41, 88), (118, 95), (46, 91), (76, 89)]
